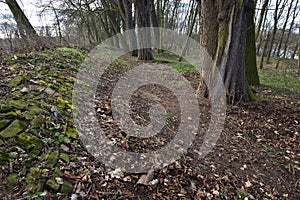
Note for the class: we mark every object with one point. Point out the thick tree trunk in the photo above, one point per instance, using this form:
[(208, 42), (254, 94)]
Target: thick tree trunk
[(25, 28), (144, 35), (224, 37)]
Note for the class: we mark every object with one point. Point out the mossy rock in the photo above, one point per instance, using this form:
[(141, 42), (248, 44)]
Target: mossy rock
[(32, 111), (36, 122), (26, 141), (65, 157), (12, 179), (8, 115), (6, 108), (4, 123), (52, 184), (67, 187), (5, 157), (34, 181), (16, 81), (52, 159), (72, 133), (17, 95), (18, 104), (13, 129)]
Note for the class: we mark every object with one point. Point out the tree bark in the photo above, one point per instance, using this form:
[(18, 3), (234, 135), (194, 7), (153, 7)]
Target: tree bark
[(224, 37), (251, 64), (144, 35), (283, 29), (295, 13), (25, 28), (261, 17), (277, 14)]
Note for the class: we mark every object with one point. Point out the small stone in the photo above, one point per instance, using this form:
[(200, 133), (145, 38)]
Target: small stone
[(59, 180), (64, 148), (24, 90)]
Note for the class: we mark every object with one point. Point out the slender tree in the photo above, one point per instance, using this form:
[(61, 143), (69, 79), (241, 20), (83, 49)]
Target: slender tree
[(251, 64), (263, 12), (283, 29), (276, 16)]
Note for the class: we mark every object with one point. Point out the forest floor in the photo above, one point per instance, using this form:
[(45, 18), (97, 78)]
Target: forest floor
[(256, 157)]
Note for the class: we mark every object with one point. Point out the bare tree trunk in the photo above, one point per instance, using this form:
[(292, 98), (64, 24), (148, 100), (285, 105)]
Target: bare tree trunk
[(144, 35), (295, 14), (283, 29), (277, 14), (264, 51), (127, 4), (261, 17), (25, 28), (189, 33)]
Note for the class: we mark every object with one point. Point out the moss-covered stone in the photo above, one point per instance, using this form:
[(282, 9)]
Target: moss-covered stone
[(67, 187), (36, 122), (72, 132), (6, 108), (13, 129), (4, 124), (52, 159), (12, 178), (26, 141), (8, 115), (65, 157), (32, 111), (14, 82), (18, 104), (5, 157), (52, 184)]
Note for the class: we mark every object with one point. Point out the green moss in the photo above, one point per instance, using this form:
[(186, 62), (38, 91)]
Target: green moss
[(1, 142), (70, 52), (32, 111), (52, 184), (72, 132), (65, 157), (36, 122), (16, 81), (26, 141), (67, 187), (52, 159), (4, 123), (18, 104), (8, 115), (5, 157), (12, 178), (13, 129)]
